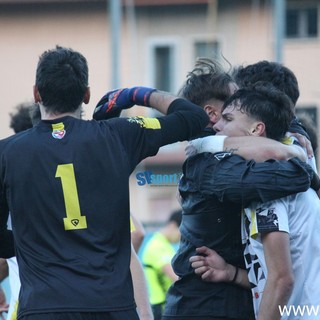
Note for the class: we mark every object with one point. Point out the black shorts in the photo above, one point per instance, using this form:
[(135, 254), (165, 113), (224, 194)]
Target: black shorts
[(115, 315)]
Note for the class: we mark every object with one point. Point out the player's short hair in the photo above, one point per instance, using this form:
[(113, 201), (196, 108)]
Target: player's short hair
[(266, 103), (62, 79)]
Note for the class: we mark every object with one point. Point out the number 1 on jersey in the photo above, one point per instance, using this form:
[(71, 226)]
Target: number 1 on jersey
[(74, 219)]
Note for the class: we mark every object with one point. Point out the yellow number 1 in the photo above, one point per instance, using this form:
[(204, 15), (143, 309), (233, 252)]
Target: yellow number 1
[(74, 219)]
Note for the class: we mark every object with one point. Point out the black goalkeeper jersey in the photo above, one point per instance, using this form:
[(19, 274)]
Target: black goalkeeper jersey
[(66, 185)]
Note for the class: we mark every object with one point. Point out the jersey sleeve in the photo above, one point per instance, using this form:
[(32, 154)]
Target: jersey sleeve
[(232, 178), (142, 137), (267, 217)]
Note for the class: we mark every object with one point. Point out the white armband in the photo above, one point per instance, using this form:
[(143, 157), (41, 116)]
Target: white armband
[(211, 144)]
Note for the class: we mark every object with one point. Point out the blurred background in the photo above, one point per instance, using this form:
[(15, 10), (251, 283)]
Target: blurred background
[(155, 43)]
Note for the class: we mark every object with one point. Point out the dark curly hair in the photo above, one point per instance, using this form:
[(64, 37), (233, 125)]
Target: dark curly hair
[(277, 74), (20, 120), (206, 81)]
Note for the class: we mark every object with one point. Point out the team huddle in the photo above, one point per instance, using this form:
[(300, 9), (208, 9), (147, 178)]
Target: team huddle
[(249, 196)]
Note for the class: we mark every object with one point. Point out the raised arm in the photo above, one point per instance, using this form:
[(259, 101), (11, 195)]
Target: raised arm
[(113, 102), (183, 119)]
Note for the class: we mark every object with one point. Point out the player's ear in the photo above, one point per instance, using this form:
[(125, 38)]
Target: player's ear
[(86, 97), (36, 94), (259, 129), (211, 111)]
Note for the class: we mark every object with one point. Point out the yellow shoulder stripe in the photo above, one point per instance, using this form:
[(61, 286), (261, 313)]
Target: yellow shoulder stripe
[(148, 123)]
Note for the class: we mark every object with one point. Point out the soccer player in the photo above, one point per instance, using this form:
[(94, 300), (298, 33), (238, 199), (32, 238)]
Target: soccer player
[(280, 236), (208, 85), (65, 183), (283, 79), (25, 117), (213, 189)]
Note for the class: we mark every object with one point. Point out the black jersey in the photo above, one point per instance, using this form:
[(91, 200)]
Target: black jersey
[(213, 189), (66, 184)]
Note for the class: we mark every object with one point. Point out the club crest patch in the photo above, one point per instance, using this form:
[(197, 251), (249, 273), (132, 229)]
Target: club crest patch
[(58, 131)]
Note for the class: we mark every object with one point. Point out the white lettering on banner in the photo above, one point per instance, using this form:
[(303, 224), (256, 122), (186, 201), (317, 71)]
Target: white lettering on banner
[(299, 310)]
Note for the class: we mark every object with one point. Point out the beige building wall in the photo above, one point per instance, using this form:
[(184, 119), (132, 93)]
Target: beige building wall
[(26, 31), (244, 30)]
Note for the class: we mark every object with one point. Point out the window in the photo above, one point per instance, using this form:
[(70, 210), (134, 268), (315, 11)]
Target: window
[(163, 66), (302, 22), (207, 49), (163, 61)]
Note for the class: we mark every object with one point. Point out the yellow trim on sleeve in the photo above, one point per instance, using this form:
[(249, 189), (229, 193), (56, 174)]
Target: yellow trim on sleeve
[(253, 227), (287, 140), (132, 226), (152, 123), (148, 123)]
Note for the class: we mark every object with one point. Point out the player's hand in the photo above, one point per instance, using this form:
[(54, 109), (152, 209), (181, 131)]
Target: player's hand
[(113, 102), (303, 141), (211, 266), (4, 307)]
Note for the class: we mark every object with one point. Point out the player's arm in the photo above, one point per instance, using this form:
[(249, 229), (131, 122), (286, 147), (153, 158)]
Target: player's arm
[(168, 271), (249, 147), (7, 249), (279, 285), (113, 102), (142, 137), (211, 267), (186, 118), (232, 178), (138, 233), (140, 287), (4, 307), (4, 269), (183, 119)]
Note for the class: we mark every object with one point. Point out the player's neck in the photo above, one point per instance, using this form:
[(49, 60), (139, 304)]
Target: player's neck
[(49, 115)]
